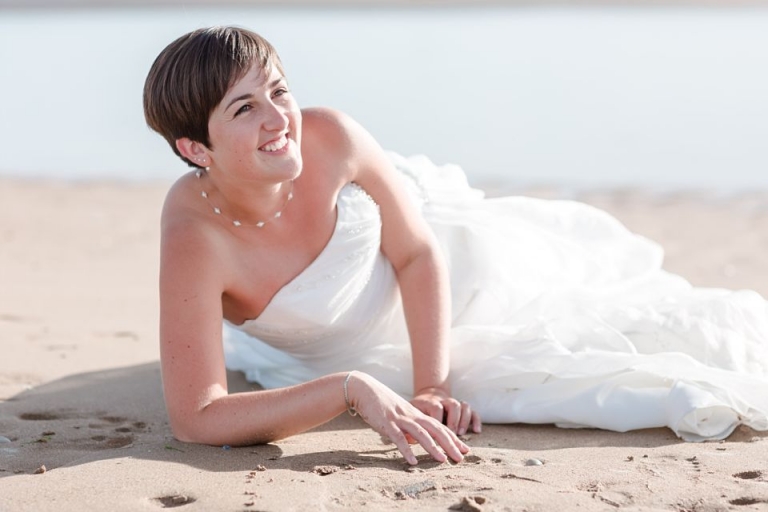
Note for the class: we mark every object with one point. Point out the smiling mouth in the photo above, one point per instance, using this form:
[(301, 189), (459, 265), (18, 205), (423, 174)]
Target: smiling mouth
[(276, 145)]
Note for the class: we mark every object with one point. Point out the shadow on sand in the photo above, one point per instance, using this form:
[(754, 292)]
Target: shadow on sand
[(120, 413)]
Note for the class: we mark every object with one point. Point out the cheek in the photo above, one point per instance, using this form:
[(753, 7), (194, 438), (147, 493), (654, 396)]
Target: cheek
[(238, 141)]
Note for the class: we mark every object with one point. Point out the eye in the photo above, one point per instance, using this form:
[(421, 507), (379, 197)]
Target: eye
[(244, 108), (281, 91)]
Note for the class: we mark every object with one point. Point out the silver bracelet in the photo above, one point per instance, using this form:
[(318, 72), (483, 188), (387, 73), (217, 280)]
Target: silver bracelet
[(351, 410)]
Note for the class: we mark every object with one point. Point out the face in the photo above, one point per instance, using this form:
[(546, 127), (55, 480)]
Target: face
[(255, 132)]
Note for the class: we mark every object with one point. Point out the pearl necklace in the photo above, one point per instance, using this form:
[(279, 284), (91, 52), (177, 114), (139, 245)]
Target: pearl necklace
[(236, 222)]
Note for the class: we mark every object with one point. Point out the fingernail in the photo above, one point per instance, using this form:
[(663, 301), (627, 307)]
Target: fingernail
[(462, 431)]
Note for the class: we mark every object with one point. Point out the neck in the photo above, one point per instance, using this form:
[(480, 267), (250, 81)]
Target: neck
[(246, 206)]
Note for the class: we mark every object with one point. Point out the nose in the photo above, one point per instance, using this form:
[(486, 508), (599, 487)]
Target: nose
[(276, 117)]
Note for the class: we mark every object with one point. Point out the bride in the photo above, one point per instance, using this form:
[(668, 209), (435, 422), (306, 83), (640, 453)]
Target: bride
[(347, 278)]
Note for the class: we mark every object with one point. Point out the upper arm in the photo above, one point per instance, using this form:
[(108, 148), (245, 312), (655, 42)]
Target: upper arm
[(191, 315), (405, 234)]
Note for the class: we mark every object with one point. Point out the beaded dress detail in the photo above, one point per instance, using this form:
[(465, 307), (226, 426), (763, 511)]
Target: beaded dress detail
[(560, 315)]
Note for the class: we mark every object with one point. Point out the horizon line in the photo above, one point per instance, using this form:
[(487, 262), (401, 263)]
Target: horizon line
[(59, 4)]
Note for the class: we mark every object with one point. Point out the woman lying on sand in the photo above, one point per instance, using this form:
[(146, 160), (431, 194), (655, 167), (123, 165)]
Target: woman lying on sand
[(347, 278)]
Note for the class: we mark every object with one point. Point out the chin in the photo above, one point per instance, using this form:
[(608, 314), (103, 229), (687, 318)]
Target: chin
[(297, 171), (297, 164)]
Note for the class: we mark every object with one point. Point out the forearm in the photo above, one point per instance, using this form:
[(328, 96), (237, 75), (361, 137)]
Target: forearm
[(425, 293), (262, 416), (426, 300)]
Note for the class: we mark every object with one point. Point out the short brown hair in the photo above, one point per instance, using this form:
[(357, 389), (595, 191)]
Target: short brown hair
[(191, 76)]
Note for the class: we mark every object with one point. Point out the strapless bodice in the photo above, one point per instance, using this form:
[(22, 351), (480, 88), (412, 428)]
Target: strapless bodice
[(329, 311)]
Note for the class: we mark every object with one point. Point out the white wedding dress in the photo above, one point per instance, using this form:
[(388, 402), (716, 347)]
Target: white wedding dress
[(560, 315)]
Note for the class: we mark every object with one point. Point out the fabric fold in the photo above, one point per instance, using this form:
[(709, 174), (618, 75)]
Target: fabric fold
[(560, 315)]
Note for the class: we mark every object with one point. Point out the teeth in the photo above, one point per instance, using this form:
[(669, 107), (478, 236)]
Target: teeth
[(276, 146)]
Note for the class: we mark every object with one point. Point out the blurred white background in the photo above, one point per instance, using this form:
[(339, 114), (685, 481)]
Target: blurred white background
[(660, 98)]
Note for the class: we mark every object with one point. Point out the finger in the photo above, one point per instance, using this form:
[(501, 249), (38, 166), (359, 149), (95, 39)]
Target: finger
[(425, 439), (436, 410), (463, 448), (477, 424), (400, 441), (466, 418), (452, 414), (447, 440), (431, 408)]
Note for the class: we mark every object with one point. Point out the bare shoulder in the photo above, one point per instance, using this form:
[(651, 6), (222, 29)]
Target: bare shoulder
[(339, 135), (337, 128), (188, 239), (405, 234), (180, 219), (328, 122)]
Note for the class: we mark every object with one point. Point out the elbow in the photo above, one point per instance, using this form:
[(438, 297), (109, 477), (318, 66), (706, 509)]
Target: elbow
[(194, 434), (189, 430), (194, 427)]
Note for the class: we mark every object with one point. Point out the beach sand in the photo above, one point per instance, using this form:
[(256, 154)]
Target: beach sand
[(80, 387)]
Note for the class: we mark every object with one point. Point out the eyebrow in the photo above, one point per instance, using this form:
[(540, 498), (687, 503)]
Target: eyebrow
[(249, 95)]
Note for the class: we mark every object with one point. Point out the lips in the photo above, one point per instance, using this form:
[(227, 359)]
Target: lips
[(275, 145)]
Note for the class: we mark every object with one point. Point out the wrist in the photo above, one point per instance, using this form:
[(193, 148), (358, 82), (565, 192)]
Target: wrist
[(433, 390), (357, 385)]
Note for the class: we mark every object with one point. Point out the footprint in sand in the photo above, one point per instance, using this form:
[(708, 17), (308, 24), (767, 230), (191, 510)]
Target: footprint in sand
[(45, 416), (748, 475), (747, 501), (177, 500), (694, 462), (124, 428), (113, 419)]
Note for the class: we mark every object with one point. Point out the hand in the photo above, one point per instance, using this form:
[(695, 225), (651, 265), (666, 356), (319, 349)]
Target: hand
[(438, 404), (393, 417)]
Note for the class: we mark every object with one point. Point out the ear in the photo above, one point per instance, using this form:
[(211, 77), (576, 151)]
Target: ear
[(193, 151)]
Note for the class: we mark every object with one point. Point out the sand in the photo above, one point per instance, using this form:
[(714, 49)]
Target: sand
[(80, 388)]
